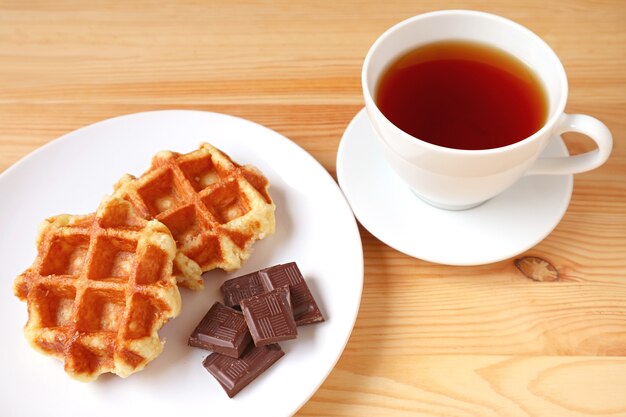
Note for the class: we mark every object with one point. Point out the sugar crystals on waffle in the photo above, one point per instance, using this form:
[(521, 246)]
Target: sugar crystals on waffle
[(100, 289), (214, 208)]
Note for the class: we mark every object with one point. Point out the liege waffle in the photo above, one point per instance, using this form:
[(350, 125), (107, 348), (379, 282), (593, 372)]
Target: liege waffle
[(214, 208), (100, 289)]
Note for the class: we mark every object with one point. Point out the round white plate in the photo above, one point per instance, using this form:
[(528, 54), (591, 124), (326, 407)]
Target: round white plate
[(314, 227), (503, 227)]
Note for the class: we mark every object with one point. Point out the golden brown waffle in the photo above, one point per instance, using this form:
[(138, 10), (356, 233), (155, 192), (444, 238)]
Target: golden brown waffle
[(214, 208), (99, 290)]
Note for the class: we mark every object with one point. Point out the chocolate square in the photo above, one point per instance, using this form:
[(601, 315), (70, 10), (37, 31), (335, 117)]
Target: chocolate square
[(269, 317), (237, 289), (222, 330), (234, 374), (305, 309)]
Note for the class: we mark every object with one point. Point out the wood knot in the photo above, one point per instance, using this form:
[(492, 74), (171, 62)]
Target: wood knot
[(537, 269)]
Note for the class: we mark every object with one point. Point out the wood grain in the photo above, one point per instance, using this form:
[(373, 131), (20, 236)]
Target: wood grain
[(464, 386), (430, 340)]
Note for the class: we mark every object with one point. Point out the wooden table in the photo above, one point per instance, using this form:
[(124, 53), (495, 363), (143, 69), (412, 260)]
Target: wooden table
[(429, 339)]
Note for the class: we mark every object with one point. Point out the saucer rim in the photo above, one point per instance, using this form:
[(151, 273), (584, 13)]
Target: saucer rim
[(359, 215)]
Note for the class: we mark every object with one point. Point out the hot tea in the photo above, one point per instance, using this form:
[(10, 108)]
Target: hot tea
[(463, 95)]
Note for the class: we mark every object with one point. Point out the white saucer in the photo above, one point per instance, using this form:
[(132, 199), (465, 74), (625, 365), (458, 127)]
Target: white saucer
[(503, 227)]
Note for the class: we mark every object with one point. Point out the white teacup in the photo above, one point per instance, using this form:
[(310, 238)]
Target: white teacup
[(459, 179)]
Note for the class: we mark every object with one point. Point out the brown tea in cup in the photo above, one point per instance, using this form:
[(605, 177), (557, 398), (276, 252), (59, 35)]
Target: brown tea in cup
[(462, 95)]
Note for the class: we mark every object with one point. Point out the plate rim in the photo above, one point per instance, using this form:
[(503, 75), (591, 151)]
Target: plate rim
[(350, 221)]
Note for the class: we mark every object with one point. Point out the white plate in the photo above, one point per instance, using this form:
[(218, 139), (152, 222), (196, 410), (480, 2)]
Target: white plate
[(503, 227), (315, 228)]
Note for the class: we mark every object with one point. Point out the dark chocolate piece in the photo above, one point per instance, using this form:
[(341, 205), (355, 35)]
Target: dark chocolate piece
[(222, 330), (305, 309), (234, 374), (237, 289), (269, 317)]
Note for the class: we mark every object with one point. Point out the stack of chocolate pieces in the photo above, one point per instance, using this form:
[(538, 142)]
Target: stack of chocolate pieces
[(273, 302)]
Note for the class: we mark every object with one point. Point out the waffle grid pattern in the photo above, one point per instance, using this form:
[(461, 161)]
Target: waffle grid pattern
[(99, 290), (214, 208)]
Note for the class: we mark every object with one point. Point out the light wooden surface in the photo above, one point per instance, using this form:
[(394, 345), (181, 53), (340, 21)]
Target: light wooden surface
[(430, 340)]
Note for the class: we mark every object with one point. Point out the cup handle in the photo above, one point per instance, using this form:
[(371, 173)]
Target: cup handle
[(586, 125)]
